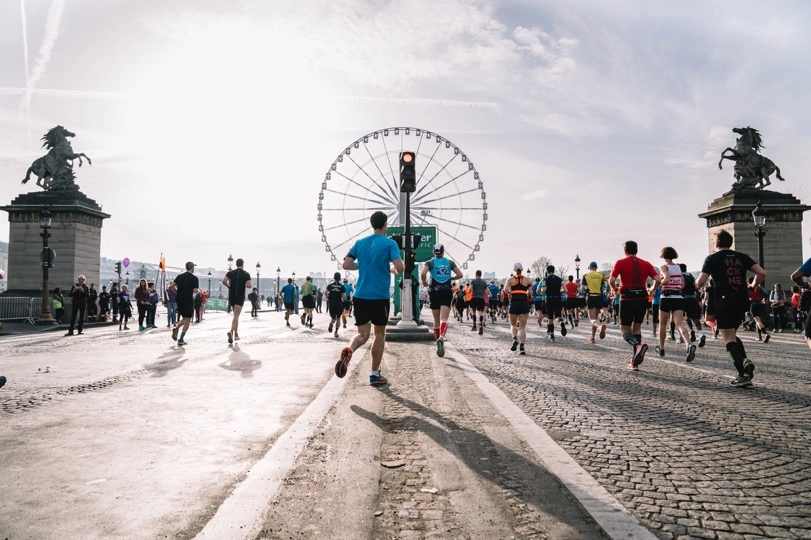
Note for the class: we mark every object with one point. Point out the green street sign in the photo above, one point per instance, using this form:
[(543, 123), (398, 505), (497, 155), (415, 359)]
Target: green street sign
[(425, 251)]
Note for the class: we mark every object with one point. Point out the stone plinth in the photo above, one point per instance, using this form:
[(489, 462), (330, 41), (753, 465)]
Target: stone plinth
[(75, 230), (783, 241)]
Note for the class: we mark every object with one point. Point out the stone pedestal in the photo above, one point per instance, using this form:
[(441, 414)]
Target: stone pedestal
[(75, 237), (783, 241)]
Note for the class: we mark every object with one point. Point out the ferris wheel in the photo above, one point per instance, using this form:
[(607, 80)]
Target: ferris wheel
[(365, 178)]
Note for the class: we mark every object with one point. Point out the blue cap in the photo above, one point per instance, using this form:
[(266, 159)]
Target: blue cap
[(592, 264)]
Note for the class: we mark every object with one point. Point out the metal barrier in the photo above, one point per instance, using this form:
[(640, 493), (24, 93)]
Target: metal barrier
[(19, 308)]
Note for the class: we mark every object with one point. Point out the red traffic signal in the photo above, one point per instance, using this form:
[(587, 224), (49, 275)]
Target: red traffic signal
[(408, 175)]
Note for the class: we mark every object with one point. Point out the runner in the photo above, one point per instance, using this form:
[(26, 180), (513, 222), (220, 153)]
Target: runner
[(371, 256), (495, 300), (538, 299), (633, 273), (572, 301), (672, 302), (478, 300), (187, 287), (236, 281), (728, 270), (349, 294), (459, 303), (797, 277), (518, 287), (288, 294), (308, 301), (552, 289), (757, 300), (336, 293), (692, 309), (593, 282), (440, 292)]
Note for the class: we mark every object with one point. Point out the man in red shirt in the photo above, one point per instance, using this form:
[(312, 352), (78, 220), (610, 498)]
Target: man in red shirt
[(633, 274), (572, 300)]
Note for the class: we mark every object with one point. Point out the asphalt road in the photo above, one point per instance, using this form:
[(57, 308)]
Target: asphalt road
[(123, 434)]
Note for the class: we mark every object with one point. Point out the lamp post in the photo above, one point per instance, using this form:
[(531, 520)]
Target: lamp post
[(577, 266), (258, 266), (127, 276), (759, 216), (230, 262), (209, 283), (47, 261), (276, 298)]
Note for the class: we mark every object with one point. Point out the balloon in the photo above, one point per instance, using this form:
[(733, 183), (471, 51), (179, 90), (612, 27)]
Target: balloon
[(125, 262)]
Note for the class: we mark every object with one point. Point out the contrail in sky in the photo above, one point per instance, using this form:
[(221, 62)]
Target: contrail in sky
[(25, 62), (44, 57), (434, 102)]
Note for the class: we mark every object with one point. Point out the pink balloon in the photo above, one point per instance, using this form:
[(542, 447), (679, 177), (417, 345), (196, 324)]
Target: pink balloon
[(125, 262)]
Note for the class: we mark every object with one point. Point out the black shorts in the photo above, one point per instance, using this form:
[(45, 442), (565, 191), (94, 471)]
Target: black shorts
[(692, 308), (554, 306), (633, 310), (289, 306), (308, 301), (347, 305), (374, 311), (574, 303), (595, 302), (236, 301), (730, 312), (669, 304), (495, 304), (519, 307), (756, 310), (477, 304), (808, 326), (439, 297), (186, 310), (336, 309)]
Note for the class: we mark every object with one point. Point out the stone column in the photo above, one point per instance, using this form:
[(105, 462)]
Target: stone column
[(75, 237), (783, 241)]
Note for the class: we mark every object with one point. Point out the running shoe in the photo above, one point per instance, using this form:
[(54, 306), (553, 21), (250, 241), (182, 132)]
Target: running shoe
[(749, 369), (481, 329), (174, 333), (440, 346), (2, 381), (672, 337), (335, 334), (715, 332), (230, 338), (602, 332), (639, 353), (681, 340), (590, 340), (378, 380), (633, 367), (342, 364), (474, 328), (575, 322), (691, 353), (521, 350), (330, 328), (692, 336), (741, 381), (515, 344), (659, 350), (180, 342), (702, 339), (562, 329), (288, 323), (767, 338), (302, 320)]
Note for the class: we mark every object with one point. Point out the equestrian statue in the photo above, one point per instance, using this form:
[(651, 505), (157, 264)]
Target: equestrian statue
[(54, 171), (752, 169)]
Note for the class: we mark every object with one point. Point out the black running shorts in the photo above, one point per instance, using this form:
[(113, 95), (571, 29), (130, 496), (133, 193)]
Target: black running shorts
[(730, 311), (595, 302), (308, 301), (477, 304), (669, 304), (186, 310), (633, 310), (374, 311), (554, 306), (519, 307), (440, 296)]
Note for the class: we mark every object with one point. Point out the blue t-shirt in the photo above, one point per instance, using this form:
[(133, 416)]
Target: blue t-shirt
[(289, 292), (349, 290), (494, 292), (806, 268), (373, 254)]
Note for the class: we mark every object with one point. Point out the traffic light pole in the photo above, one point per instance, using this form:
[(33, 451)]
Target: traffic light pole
[(407, 292)]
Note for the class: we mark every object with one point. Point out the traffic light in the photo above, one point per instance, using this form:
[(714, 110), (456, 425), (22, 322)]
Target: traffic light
[(408, 176), (118, 268), (410, 262), (398, 239)]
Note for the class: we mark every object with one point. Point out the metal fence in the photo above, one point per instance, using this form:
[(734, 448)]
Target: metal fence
[(20, 308)]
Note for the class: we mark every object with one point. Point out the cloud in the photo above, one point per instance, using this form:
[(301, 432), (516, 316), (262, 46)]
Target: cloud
[(540, 194)]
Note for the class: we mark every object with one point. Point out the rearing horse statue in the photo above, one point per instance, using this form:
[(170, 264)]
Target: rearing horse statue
[(55, 169), (752, 170)]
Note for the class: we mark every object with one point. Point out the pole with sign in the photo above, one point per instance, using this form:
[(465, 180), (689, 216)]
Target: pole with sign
[(408, 185)]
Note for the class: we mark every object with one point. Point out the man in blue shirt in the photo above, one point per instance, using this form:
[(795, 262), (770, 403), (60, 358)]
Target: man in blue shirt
[(371, 256), (289, 292), (797, 277)]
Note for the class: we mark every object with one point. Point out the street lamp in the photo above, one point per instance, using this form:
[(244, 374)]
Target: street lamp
[(258, 266), (209, 282), (127, 276), (759, 216), (577, 266), (294, 277), (47, 261), (230, 262)]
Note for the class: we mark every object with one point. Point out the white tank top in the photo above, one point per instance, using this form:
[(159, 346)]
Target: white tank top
[(676, 283)]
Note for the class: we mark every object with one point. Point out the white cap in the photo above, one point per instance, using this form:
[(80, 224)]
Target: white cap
[(518, 266)]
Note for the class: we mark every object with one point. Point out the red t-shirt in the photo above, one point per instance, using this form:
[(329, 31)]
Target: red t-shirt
[(634, 272), (571, 289)]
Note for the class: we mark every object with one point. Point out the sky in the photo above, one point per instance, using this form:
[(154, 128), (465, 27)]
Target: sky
[(212, 125)]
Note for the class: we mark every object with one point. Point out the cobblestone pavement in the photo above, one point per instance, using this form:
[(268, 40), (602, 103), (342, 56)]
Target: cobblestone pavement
[(688, 454)]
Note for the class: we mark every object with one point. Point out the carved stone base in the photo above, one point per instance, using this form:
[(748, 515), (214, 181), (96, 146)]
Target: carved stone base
[(783, 241), (75, 237)]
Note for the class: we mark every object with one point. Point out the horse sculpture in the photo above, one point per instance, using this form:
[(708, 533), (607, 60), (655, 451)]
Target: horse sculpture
[(55, 169), (752, 170)]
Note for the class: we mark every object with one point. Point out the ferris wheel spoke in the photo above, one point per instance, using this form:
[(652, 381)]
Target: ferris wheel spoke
[(350, 195), (436, 175), (393, 175), (424, 185), (343, 225), (356, 209), (350, 239), (353, 181), (450, 181), (393, 196), (452, 222)]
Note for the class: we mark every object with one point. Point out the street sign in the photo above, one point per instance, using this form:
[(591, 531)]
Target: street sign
[(425, 251)]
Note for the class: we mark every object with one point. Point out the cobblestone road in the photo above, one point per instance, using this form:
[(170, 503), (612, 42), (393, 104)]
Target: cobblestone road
[(689, 455)]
